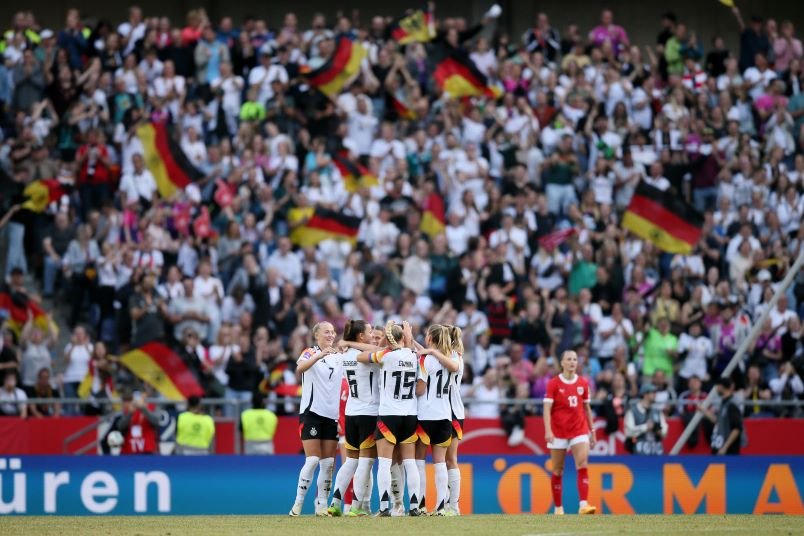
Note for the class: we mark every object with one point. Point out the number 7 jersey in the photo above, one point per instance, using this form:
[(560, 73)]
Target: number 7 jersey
[(321, 385), (364, 385), (568, 412), (400, 370)]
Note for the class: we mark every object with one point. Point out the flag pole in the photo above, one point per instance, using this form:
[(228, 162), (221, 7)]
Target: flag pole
[(738, 355)]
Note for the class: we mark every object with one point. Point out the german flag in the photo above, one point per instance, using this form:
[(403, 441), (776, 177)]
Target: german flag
[(159, 366), (456, 74), (355, 176), (433, 221), (314, 225), (417, 27), (18, 306), (339, 70), (165, 160), (401, 108), (664, 219), (41, 193)]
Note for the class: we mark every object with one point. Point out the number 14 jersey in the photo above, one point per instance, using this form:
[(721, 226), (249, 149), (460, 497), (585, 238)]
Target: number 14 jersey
[(398, 381), (568, 412)]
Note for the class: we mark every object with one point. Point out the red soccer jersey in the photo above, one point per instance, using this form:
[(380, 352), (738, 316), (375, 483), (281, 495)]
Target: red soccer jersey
[(342, 410), (568, 413)]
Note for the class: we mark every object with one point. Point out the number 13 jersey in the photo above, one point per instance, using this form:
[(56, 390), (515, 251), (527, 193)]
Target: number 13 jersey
[(321, 384), (398, 380), (364, 385), (568, 412)]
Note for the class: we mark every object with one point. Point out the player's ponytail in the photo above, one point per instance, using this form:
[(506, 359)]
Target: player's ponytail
[(456, 336), (393, 334), (440, 337), (354, 328)]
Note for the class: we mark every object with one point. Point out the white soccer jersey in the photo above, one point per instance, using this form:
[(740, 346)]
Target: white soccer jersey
[(455, 400), (321, 384), (364, 385), (398, 381), (434, 403)]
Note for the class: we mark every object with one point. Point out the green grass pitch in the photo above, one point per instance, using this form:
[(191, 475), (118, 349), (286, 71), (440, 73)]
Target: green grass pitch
[(485, 525)]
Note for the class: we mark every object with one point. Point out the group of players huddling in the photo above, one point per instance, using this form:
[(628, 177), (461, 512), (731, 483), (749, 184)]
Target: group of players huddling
[(401, 398)]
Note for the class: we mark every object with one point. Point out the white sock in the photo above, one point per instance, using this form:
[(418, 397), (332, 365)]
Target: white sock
[(305, 477), (454, 477), (367, 497), (584, 504), (363, 475), (384, 482), (421, 467), (442, 485), (397, 483), (412, 474), (325, 467), (342, 479)]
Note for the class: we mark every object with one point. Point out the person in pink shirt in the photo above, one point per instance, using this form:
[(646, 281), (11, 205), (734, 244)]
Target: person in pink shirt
[(786, 47), (608, 31)]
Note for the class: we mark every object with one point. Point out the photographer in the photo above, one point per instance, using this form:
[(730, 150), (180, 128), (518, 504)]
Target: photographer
[(645, 426)]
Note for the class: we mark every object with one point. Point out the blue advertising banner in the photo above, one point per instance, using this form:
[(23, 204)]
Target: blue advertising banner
[(94, 485)]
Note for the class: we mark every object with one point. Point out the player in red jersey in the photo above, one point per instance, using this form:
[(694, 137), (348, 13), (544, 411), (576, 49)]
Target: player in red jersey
[(347, 498), (568, 424)]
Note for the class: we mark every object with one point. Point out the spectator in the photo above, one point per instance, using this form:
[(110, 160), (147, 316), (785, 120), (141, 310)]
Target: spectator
[(661, 349), (36, 347), (77, 355), (12, 398), (44, 389)]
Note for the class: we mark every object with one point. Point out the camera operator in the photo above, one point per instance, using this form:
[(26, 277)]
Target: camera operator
[(645, 425)]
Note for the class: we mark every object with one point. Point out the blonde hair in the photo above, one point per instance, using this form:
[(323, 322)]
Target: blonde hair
[(317, 328), (394, 334), (440, 337), (566, 353), (456, 334)]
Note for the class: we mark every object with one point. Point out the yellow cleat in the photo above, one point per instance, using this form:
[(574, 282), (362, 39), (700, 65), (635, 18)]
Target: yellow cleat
[(587, 511)]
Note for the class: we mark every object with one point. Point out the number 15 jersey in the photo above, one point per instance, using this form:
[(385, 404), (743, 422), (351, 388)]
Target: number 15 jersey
[(398, 381), (364, 385), (568, 412)]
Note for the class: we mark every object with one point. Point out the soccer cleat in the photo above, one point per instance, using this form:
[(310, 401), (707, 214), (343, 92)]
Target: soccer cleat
[(416, 512), (398, 510), (383, 513), (296, 510), (357, 512), (559, 511), (441, 512), (587, 510), (334, 511)]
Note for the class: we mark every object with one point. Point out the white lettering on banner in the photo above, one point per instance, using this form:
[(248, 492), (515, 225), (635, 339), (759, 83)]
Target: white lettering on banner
[(18, 503), (52, 483), (141, 482), (106, 490)]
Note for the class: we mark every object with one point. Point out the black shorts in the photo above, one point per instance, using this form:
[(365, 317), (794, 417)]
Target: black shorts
[(457, 428), (360, 431), (396, 429), (436, 433), (314, 426)]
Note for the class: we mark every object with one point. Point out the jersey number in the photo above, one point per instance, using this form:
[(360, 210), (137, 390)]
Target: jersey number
[(408, 383), (573, 401), (442, 387), (350, 377)]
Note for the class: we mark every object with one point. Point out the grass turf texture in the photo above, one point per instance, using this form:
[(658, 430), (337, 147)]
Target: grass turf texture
[(496, 525)]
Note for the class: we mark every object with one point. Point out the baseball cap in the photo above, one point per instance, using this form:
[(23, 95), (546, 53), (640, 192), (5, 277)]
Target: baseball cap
[(647, 388)]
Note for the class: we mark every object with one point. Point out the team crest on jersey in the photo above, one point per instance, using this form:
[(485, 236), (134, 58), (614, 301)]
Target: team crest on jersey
[(313, 432), (580, 390)]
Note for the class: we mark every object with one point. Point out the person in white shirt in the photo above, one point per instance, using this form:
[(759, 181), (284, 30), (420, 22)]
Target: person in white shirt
[(262, 76), (612, 332), (151, 66), (77, 355), (387, 150), (139, 184), (12, 398), (232, 88), (697, 349), (133, 29), (655, 178), (286, 263), (194, 147), (209, 289), (171, 87), (416, 269), (759, 77), (486, 394), (361, 126), (381, 234)]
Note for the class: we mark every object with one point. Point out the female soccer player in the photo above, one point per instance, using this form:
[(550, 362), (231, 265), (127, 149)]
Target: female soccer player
[(568, 424), (435, 414), (396, 423), (458, 415), (320, 372), (361, 418)]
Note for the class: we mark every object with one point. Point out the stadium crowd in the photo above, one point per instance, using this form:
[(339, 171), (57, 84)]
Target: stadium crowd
[(583, 116)]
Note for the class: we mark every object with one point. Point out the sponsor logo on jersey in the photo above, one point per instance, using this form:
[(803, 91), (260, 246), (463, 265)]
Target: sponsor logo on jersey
[(580, 390)]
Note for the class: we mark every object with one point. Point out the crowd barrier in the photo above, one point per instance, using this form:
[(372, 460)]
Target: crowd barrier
[(765, 436), (93, 485)]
